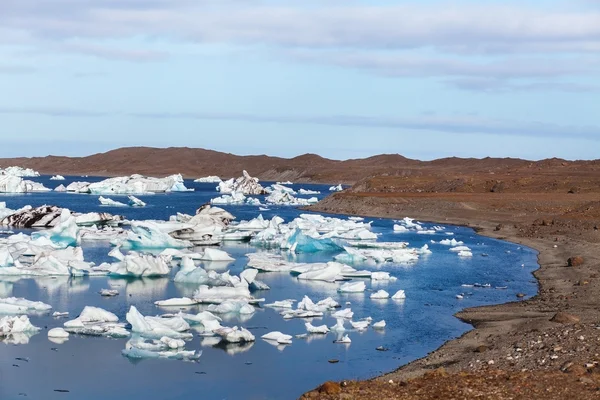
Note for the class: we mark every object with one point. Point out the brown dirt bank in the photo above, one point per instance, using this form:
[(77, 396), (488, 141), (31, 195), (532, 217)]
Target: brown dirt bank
[(470, 175), (515, 350)]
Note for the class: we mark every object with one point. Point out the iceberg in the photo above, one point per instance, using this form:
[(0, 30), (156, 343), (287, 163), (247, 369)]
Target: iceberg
[(108, 292), (380, 295), (15, 325), (148, 235), (78, 187), (352, 287), (176, 302), (453, 242), (234, 198), (330, 273), (344, 340), (465, 254), (345, 314), (458, 249), (235, 335), (219, 294), (157, 327), (360, 325), (337, 188), (216, 255), (136, 184), (109, 202), (140, 348), (400, 295), (206, 320), (305, 192), (15, 184), (95, 321), (57, 178), (135, 202), (209, 179), (18, 306), (382, 276), (66, 233), (138, 265), (323, 329), (58, 333), (245, 184), (232, 306), (278, 337), (19, 172), (379, 325), (339, 326), (282, 304)]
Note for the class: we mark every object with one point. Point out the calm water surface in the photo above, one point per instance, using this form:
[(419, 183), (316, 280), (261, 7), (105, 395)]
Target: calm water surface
[(93, 368)]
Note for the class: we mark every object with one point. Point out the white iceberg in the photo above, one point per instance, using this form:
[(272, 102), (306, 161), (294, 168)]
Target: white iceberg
[(57, 178), (352, 287), (17, 306), (323, 329), (108, 292), (346, 314), (138, 265), (337, 188), (58, 333), (148, 235), (105, 201), (278, 337), (14, 325), (157, 327), (209, 179), (136, 184), (95, 321), (306, 192), (339, 326), (379, 325), (235, 335), (19, 171), (211, 254), (245, 184), (400, 295), (380, 295), (360, 325), (232, 306), (135, 202), (344, 340), (282, 304)]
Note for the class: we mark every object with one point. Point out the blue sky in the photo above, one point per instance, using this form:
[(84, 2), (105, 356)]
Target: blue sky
[(341, 78)]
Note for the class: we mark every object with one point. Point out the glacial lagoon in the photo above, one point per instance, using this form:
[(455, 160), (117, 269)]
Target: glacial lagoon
[(87, 367)]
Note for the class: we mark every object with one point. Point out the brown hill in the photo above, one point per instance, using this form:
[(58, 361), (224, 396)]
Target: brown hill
[(468, 174)]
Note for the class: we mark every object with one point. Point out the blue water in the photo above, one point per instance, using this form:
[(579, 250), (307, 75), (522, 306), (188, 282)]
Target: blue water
[(93, 368)]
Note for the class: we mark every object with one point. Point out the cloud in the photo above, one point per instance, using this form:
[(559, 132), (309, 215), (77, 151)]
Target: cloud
[(462, 124)]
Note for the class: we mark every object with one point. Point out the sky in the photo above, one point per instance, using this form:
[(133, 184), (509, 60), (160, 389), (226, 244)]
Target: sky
[(340, 78)]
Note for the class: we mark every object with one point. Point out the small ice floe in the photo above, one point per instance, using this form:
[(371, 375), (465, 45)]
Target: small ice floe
[(211, 254), (235, 335), (105, 201), (382, 276), (174, 327), (135, 202), (400, 295), (465, 254), (57, 178), (458, 249), (282, 304), (360, 325), (95, 321), (501, 287), (278, 337), (353, 287), (337, 188), (232, 307), (58, 333), (400, 228), (13, 325), (451, 242), (460, 296), (339, 326), (264, 209), (379, 325), (109, 292), (322, 329), (380, 295), (467, 285), (344, 340), (209, 179), (18, 306), (346, 313), (140, 348), (58, 314), (176, 302)]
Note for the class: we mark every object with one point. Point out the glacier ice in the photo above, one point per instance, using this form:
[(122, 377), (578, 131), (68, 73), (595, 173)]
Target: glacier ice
[(400, 295), (148, 235), (352, 287), (337, 188), (135, 202), (211, 254), (278, 337), (96, 321), (209, 179), (235, 335), (138, 265), (58, 333), (245, 184), (19, 171), (17, 306), (379, 325), (323, 329), (380, 295), (109, 292), (105, 201), (157, 327), (14, 325), (134, 184), (345, 313), (57, 178)]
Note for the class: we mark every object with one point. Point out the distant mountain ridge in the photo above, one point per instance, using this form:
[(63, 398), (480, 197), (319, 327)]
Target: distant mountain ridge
[(196, 162)]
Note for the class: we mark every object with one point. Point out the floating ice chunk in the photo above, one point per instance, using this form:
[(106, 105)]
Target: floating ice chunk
[(281, 304), (58, 314), (58, 333), (453, 242), (268, 262), (337, 188), (138, 184), (290, 314), (66, 233), (360, 325), (209, 179), (278, 337), (427, 232), (323, 329), (400, 295), (178, 254), (460, 248), (329, 273), (234, 198), (139, 348), (460, 296), (139, 265), (339, 326), (352, 287), (19, 171), (344, 340), (14, 305), (465, 253), (379, 325), (78, 187), (382, 276), (235, 335), (96, 322), (57, 178), (217, 295), (14, 325), (92, 314), (381, 294), (346, 313), (148, 235), (244, 184), (425, 250), (232, 306), (176, 302), (156, 327), (216, 255), (306, 192), (105, 201), (135, 202), (400, 228), (6, 259)]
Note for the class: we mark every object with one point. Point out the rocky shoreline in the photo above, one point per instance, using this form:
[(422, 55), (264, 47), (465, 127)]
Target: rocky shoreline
[(555, 332)]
